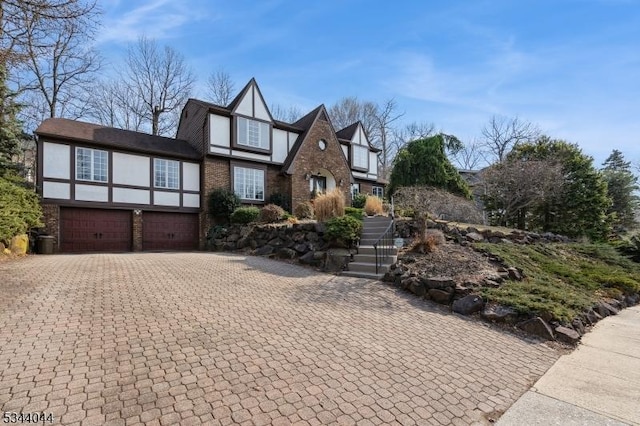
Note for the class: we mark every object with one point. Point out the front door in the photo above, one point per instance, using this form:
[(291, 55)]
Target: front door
[(318, 185)]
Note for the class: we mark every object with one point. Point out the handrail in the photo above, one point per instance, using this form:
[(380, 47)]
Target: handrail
[(386, 238)]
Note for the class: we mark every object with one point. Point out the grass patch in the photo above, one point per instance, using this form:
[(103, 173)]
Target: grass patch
[(562, 279)]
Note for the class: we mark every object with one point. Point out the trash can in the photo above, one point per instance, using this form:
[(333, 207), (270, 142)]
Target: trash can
[(45, 244)]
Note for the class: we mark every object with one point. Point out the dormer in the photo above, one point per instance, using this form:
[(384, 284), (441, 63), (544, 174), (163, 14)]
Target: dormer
[(252, 122), (356, 146)]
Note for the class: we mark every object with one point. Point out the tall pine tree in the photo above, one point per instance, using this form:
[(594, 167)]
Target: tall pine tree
[(621, 187), (10, 126)]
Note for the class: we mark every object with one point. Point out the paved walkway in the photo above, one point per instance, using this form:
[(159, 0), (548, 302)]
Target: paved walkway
[(597, 384), (197, 338)]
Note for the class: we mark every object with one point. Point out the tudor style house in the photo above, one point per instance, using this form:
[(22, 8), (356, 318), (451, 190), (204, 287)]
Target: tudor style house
[(106, 189)]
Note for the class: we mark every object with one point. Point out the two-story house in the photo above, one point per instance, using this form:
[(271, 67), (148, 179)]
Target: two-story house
[(106, 189)]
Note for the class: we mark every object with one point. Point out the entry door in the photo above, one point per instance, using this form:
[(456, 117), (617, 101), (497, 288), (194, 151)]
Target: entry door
[(318, 184)]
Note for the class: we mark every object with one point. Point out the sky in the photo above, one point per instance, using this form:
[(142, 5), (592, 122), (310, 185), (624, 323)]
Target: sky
[(572, 67)]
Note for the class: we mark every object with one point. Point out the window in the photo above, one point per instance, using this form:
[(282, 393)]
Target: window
[(252, 133), (360, 157), (166, 174), (91, 164), (248, 183), (355, 189), (378, 191)]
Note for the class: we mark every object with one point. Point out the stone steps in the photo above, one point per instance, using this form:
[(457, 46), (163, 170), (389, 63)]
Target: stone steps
[(364, 263)]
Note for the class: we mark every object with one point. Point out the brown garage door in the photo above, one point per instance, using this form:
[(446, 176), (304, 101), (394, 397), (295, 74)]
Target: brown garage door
[(89, 230), (169, 231)]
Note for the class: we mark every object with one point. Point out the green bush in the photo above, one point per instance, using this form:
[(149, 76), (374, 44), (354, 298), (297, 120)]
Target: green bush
[(223, 202), (354, 212), (281, 200), (271, 213), (19, 208), (245, 215), (345, 229), (630, 247), (304, 210), (359, 200)]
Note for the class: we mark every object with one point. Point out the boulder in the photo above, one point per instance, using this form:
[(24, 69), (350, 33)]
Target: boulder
[(440, 296), (474, 237), (605, 309), (567, 335), (468, 304), (301, 247), (264, 250), (233, 238), (632, 299), (312, 236), (438, 282), (275, 242), (229, 246), (286, 253), (308, 258), (416, 286), (578, 325), (19, 244), (514, 274), (499, 313), (538, 327)]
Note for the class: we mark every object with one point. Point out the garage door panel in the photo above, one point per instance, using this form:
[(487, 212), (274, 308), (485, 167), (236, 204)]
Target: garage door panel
[(94, 230), (169, 231)]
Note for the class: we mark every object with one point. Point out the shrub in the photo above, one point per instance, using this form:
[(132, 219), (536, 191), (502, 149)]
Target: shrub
[(408, 212), (281, 200), (271, 213), (354, 212), (358, 200), (245, 215), (428, 242), (343, 229), (373, 206), (304, 211), (630, 247), (223, 202), (19, 208), (438, 203), (329, 204)]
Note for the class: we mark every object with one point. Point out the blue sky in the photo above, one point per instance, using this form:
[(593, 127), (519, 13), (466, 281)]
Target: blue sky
[(570, 66)]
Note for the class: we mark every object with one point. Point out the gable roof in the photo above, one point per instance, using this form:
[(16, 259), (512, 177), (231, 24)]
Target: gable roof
[(346, 135), (110, 137), (305, 124)]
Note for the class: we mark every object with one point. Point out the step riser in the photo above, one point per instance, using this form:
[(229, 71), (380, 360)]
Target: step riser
[(368, 267), (362, 275), (364, 249), (371, 258)]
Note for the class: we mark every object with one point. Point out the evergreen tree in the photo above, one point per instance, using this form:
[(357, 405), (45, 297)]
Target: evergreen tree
[(579, 207), (10, 126), (621, 185), (424, 162)]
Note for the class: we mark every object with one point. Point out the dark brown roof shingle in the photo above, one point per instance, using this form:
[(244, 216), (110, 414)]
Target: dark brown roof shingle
[(110, 137)]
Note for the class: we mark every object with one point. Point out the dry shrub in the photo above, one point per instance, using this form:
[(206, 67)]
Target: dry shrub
[(328, 205), (304, 210), (373, 206), (438, 203), (271, 213), (428, 242)]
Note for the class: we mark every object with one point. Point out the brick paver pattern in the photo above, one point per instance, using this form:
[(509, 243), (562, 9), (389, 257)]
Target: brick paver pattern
[(202, 338)]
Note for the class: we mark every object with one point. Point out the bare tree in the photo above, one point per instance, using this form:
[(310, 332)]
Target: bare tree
[(288, 115), (470, 156), (377, 121), (221, 87), (161, 79), (115, 105), (502, 134), (514, 186), (60, 65), (17, 16), (348, 110)]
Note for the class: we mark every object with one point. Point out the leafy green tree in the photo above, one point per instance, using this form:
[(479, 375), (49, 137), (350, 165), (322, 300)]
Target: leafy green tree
[(19, 207), (424, 162), (621, 187), (579, 207)]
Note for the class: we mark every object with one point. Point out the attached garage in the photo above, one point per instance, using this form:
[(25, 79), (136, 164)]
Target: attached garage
[(169, 231), (94, 230)]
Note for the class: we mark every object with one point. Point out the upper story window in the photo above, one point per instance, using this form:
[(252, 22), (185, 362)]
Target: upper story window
[(166, 174), (360, 157), (253, 133), (91, 164)]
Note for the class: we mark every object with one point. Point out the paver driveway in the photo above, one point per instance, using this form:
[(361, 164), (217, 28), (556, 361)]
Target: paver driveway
[(196, 338)]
